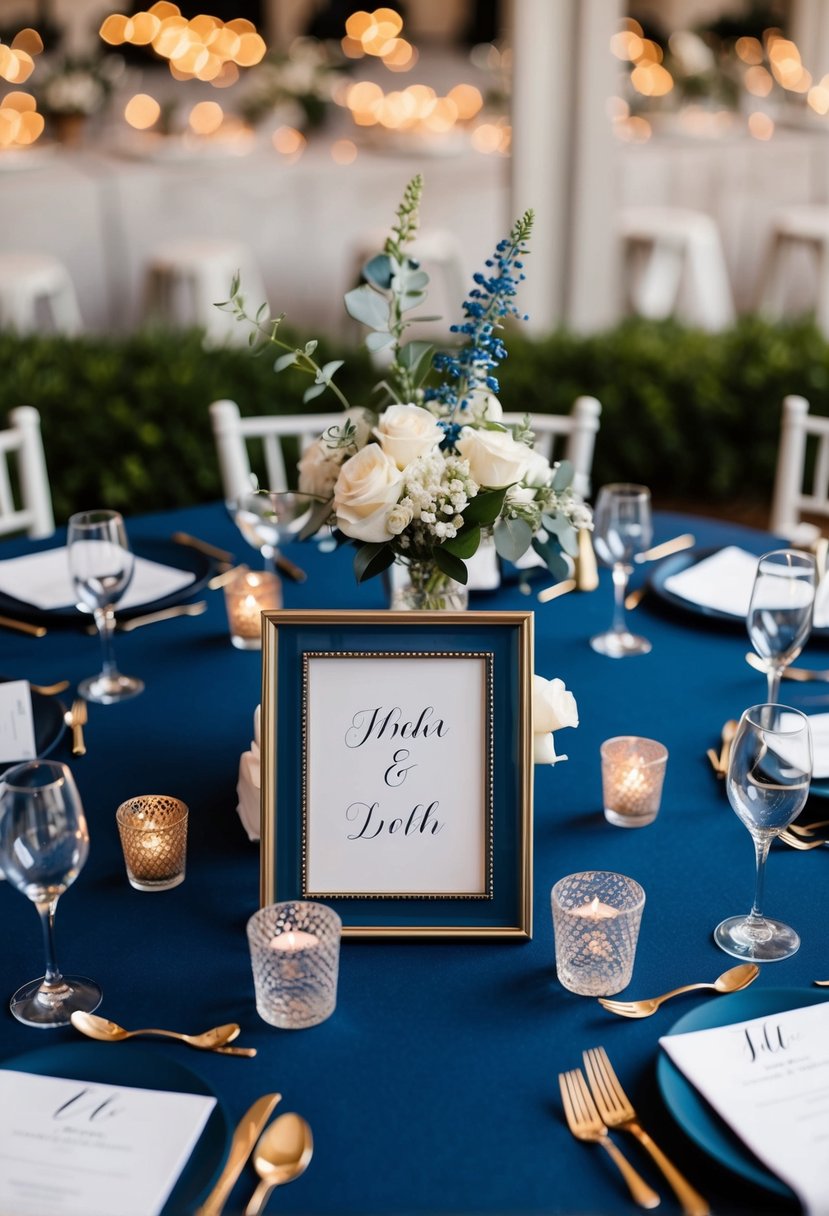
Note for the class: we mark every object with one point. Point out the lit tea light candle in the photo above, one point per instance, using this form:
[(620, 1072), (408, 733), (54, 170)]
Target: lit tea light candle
[(595, 910), (247, 596), (294, 939), (633, 771), (294, 953), (153, 831), (596, 917)]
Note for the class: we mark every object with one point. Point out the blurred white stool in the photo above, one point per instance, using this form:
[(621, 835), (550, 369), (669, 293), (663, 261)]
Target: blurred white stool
[(439, 254), (36, 295), (804, 229), (186, 279), (675, 266)]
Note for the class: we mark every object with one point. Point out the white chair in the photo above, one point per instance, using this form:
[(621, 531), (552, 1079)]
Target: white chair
[(796, 231), (186, 279), (37, 295), (23, 443), (790, 499), (674, 265), (578, 428), (232, 433)]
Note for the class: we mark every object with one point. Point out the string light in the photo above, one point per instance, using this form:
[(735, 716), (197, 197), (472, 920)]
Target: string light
[(20, 122), (204, 48)]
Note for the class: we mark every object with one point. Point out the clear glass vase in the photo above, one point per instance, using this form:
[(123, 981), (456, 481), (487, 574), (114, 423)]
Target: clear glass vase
[(419, 586)]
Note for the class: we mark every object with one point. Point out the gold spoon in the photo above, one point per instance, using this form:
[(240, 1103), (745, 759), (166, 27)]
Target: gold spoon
[(728, 733), (49, 690), (821, 983), (282, 1153), (732, 980), (110, 1032)]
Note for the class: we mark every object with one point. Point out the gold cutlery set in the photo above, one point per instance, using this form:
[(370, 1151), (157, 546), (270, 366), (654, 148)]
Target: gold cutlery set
[(216, 1039), (594, 1105), (280, 1153)]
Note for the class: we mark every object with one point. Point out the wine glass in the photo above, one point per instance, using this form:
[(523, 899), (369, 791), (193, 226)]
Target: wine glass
[(267, 518), (101, 565), (780, 613), (44, 843), (768, 783), (621, 529)]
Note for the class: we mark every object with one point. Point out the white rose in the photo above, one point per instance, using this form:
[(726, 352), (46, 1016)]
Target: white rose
[(399, 519), (485, 406), (406, 432), (495, 458), (366, 492), (538, 471), (319, 469), (553, 707)]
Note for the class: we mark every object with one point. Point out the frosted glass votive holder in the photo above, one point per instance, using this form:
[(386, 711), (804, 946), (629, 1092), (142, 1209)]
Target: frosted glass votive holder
[(633, 771), (153, 831), (248, 594), (596, 919), (295, 955)]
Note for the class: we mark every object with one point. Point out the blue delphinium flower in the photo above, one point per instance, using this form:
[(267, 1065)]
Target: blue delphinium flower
[(471, 365)]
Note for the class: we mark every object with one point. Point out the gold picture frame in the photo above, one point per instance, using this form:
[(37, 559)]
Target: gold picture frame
[(495, 809)]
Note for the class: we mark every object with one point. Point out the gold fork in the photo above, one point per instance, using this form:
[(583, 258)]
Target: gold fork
[(585, 1123), (807, 829), (804, 846), (616, 1110), (76, 719)]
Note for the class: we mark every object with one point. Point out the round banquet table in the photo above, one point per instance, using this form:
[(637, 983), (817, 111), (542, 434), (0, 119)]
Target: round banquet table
[(433, 1088)]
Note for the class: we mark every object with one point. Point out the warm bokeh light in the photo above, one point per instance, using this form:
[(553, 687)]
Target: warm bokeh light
[(205, 48), (417, 106), (289, 142), (750, 50), (378, 33), (142, 111), (343, 151), (28, 40), (492, 137), (467, 99), (651, 79), (616, 108), (631, 24), (627, 45), (759, 82), (633, 130), (818, 98), (206, 117), (760, 125)]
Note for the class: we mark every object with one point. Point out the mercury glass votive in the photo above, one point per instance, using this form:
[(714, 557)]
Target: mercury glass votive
[(153, 831), (633, 770), (248, 594), (295, 955), (596, 919)]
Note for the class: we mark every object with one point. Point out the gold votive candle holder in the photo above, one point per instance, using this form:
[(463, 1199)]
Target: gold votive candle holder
[(247, 595), (633, 771), (295, 956), (153, 831)]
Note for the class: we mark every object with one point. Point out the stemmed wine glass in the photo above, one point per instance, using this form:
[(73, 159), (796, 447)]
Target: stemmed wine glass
[(101, 564), (621, 529), (267, 518), (44, 843), (780, 613), (768, 783)]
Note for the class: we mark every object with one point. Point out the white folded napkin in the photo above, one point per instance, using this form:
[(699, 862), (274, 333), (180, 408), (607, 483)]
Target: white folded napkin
[(819, 726), (249, 783), (722, 581), (42, 580)]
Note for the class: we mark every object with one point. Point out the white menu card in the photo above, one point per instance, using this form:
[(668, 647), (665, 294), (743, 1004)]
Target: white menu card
[(768, 1078), (81, 1148), (17, 728)]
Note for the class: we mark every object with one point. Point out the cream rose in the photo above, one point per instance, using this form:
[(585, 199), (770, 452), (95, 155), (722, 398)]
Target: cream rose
[(366, 493), (538, 472), (495, 458), (319, 469), (553, 708), (406, 432)]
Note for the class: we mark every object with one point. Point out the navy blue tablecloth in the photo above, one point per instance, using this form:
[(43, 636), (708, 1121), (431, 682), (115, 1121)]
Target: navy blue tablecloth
[(433, 1088)]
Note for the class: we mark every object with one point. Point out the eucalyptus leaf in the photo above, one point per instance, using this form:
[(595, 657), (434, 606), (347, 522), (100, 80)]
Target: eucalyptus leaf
[(550, 554), (320, 514), (411, 299), (378, 270), (465, 543), (370, 560), (512, 537), (261, 312), (313, 391), (450, 565), (285, 361), (414, 280), (563, 476), (311, 346), (327, 370), (368, 307), (377, 340), (413, 353), (485, 507)]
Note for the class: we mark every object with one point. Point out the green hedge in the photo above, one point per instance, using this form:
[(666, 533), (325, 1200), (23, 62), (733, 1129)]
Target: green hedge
[(695, 416)]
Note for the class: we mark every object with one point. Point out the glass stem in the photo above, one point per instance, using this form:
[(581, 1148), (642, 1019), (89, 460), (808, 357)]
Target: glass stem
[(773, 676), (105, 621), (621, 574), (761, 852), (53, 981), (269, 554)]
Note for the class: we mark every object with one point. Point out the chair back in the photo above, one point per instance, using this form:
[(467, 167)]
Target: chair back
[(21, 454), (790, 498), (578, 430), (232, 433)]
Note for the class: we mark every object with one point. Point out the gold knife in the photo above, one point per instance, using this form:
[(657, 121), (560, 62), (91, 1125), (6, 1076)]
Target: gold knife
[(675, 545), (165, 614), (241, 1146), (35, 631), (193, 542)]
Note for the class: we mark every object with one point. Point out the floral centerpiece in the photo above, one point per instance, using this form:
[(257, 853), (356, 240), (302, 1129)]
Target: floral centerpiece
[(76, 89), (430, 473), (298, 85)]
